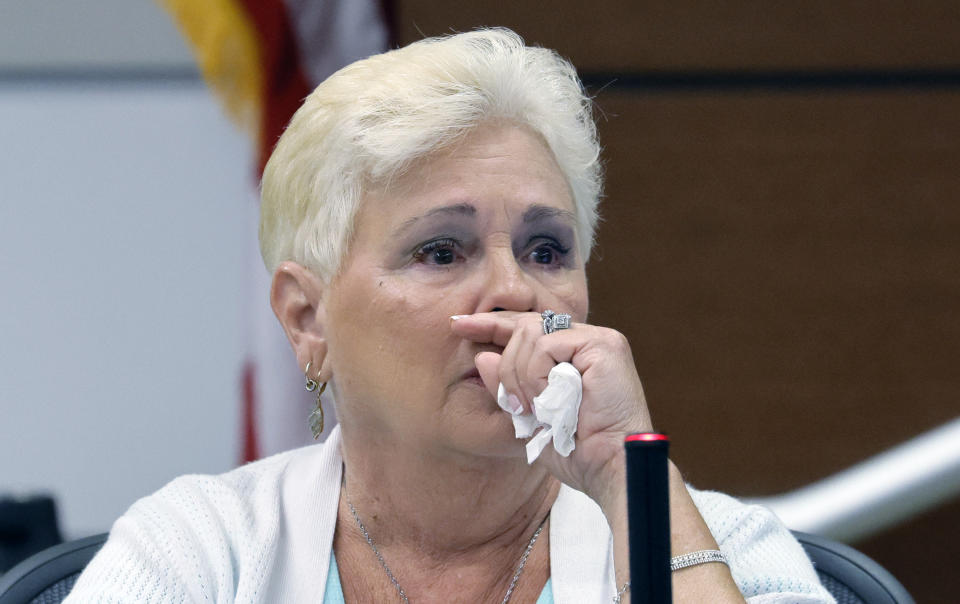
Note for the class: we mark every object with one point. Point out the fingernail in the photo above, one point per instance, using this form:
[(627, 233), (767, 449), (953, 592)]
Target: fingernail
[(514, 403), (455, 317)]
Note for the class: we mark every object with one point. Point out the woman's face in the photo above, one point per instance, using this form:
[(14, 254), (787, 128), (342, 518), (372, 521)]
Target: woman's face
[(487, 225)]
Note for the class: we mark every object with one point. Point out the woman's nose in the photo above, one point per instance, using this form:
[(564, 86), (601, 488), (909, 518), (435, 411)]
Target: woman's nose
[(507, 286)]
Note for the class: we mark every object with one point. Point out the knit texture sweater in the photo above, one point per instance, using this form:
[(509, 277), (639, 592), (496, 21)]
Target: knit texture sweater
[(264, 533)]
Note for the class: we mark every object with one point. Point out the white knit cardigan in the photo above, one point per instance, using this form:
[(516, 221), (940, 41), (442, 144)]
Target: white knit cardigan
[(264, 533)]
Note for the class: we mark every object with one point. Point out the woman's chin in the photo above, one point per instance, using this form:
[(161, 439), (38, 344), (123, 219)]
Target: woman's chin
[(482, 427)]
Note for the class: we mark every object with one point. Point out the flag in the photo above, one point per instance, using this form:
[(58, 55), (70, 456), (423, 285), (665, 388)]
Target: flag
[(261, 58)]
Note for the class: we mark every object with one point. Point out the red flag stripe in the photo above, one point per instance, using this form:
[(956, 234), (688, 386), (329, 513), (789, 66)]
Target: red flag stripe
[(284, 81), (251, 446)]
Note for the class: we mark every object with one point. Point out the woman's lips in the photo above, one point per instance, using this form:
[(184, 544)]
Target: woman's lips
[(472, 376)]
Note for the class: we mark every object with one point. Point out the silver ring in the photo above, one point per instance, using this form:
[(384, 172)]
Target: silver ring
[(554, 322)]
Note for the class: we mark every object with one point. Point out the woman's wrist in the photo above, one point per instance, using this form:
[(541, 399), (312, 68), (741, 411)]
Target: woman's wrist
[(609, 491), (609, 487)]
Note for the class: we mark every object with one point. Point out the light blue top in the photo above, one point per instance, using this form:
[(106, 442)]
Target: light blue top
[(333, 594)]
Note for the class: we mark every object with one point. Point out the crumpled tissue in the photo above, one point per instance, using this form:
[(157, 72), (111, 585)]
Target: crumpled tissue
[(555, 410)]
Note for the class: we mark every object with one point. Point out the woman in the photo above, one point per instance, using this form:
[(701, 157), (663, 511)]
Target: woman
[(422, 210)]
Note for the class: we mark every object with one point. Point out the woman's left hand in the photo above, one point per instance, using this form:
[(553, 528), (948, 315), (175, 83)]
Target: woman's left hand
[(613, 402)]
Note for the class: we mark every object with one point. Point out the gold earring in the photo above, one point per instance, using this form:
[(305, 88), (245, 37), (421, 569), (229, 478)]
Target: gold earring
[(316, 416)]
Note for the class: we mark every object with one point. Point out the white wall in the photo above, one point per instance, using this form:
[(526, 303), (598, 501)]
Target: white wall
[(59, 35), (121, 253), (124, 224)]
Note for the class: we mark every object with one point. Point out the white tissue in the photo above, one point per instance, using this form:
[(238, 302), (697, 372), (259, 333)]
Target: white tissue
[(555, 410)]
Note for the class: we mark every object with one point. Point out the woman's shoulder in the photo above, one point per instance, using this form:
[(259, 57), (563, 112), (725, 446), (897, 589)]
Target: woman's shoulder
[(243, 481), (202, 534), (246, 492), (226, 501)]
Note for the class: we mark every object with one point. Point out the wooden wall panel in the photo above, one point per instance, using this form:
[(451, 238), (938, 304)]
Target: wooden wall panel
[(613, 35), (786, 268)]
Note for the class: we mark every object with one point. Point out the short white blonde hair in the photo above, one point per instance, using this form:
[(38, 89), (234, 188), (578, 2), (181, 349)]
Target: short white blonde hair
[(371, 120)]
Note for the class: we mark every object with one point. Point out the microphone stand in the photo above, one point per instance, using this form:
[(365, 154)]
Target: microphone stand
[(648, 518)]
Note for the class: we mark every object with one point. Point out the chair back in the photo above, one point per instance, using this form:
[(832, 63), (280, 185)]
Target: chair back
[(27, 525), (850, 576), (48, 576)]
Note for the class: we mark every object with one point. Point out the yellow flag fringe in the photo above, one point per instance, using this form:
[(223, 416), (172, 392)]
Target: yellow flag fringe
[(226, 47)]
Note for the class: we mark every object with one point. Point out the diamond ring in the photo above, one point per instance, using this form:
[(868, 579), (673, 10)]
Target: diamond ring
[(554, 322)]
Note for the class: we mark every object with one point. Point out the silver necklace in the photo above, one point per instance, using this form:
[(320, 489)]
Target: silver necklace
[(396, 584)]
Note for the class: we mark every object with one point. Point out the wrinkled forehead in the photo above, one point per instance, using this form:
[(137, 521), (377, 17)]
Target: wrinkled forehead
[(498, 165)]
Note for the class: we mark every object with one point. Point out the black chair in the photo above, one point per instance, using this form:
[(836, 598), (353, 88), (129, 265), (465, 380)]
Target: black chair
[(48, 576), (27, 525), (850, 576)]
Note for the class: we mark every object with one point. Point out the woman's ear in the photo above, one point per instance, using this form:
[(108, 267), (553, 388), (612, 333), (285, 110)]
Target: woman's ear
[(297, 298)]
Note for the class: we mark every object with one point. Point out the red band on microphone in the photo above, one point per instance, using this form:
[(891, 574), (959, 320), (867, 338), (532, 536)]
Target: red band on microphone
[(646, 436)]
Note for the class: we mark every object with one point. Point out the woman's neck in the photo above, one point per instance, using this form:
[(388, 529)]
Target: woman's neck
[(444, 506)]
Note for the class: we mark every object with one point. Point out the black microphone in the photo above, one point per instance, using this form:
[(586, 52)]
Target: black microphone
[(648, 510)]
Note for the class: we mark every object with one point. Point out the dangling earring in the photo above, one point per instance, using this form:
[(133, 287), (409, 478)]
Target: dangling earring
[(316, 416)]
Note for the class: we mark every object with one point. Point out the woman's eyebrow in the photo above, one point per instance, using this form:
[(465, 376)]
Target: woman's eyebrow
[(539, 212), (459, 209)]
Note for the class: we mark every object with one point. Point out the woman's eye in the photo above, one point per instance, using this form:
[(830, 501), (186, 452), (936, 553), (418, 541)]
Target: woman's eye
[(441, 251), (548, 253), (543, 255), (443, 256)]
